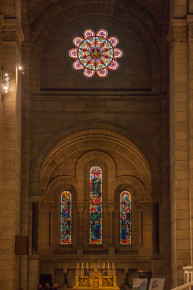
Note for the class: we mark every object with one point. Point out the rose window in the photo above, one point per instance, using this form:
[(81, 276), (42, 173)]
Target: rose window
[(95, 53)]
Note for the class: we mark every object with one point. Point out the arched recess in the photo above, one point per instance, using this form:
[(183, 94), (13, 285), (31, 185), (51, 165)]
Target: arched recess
[(140, 201), (50, 205), (95, 157), (54, 148), (91, 140), (69, 161), (130, 13)]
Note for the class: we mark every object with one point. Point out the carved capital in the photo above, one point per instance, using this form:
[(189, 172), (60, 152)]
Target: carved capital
[(111, 207), (80, 207), (10, 31), (177, 34)]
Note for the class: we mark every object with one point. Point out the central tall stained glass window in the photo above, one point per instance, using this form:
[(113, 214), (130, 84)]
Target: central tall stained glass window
[(95, 53), (95, 206)]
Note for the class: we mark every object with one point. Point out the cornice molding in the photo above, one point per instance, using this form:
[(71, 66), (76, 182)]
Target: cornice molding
[(10, 31)]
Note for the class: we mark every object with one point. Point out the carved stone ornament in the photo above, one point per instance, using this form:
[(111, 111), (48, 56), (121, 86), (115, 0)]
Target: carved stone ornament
[(11, 31), (180, 33), (177, 34)]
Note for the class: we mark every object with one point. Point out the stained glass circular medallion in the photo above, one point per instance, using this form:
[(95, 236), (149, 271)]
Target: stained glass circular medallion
[(95, 53)]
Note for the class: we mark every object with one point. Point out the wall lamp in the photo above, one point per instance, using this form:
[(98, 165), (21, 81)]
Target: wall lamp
[(20, 68), (4, 81)]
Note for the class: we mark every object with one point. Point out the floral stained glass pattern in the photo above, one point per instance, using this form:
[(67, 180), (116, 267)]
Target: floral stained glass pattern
[(66, 218), (125, 218), (95, 53), (95, 205)]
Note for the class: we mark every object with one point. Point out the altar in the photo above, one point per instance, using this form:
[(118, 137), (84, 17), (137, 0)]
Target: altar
[(96, 280)]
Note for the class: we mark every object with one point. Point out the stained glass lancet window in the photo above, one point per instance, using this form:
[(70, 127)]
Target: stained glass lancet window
[(125, 218), (95, 205), (66, 218), (95, 53)]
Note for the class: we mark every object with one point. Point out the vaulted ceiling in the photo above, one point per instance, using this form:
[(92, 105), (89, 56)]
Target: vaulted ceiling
[(157, 8)]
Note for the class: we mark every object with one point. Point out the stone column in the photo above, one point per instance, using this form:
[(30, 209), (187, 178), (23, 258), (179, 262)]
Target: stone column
[(189, 21), (111, 208), (10, 40), (80, 209), (179, 164)]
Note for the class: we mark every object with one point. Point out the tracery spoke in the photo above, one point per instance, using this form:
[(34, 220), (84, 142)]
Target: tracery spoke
[(102, 43), (83, 49)]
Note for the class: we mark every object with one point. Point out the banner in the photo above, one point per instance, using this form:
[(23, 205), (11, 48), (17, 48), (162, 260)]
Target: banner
[(140, 283), (156, 283)]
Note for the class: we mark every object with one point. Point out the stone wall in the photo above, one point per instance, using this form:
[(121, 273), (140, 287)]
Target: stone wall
[(69, 123), (120, 122)]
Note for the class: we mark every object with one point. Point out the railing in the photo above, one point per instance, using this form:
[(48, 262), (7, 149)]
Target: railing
[(188, 286)]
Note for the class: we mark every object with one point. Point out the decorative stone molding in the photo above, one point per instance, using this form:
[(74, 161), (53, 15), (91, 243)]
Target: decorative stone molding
[(180, 32), (80, 207), (177, 34), (111, 207), (10, 31), (188, 274)]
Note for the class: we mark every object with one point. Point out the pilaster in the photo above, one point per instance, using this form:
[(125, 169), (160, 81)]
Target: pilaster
[(179, 164), (189, 21), (10, 143)]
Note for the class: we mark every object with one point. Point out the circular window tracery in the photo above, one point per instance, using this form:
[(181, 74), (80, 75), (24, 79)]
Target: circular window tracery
[(95, 53)]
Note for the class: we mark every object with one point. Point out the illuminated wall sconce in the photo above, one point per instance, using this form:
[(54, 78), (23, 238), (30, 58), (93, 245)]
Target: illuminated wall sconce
[(20, 68), (4, 82)]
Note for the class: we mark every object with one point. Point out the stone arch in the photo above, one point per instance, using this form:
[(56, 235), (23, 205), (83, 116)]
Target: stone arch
[(47, 150), (135, 184), (93, 6), (101, 158), (91, 140), (137, 18), (57, 184)]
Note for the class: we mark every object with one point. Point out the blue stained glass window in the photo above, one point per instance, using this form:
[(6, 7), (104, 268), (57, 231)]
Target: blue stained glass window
[(66, 218), (125, 218), (95, 205)]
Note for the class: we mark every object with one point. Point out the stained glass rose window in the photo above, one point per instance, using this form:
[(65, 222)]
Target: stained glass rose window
[(95, 53)]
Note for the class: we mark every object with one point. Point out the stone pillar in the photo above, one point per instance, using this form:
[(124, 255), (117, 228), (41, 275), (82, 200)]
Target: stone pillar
[(10, 40), (179, 164), (33, 273), (189, 21), (25, 187), (80, 209), (111, 208)]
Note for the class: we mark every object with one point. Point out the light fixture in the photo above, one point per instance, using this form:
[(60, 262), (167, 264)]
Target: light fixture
[(4, 82), (20, 68)]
